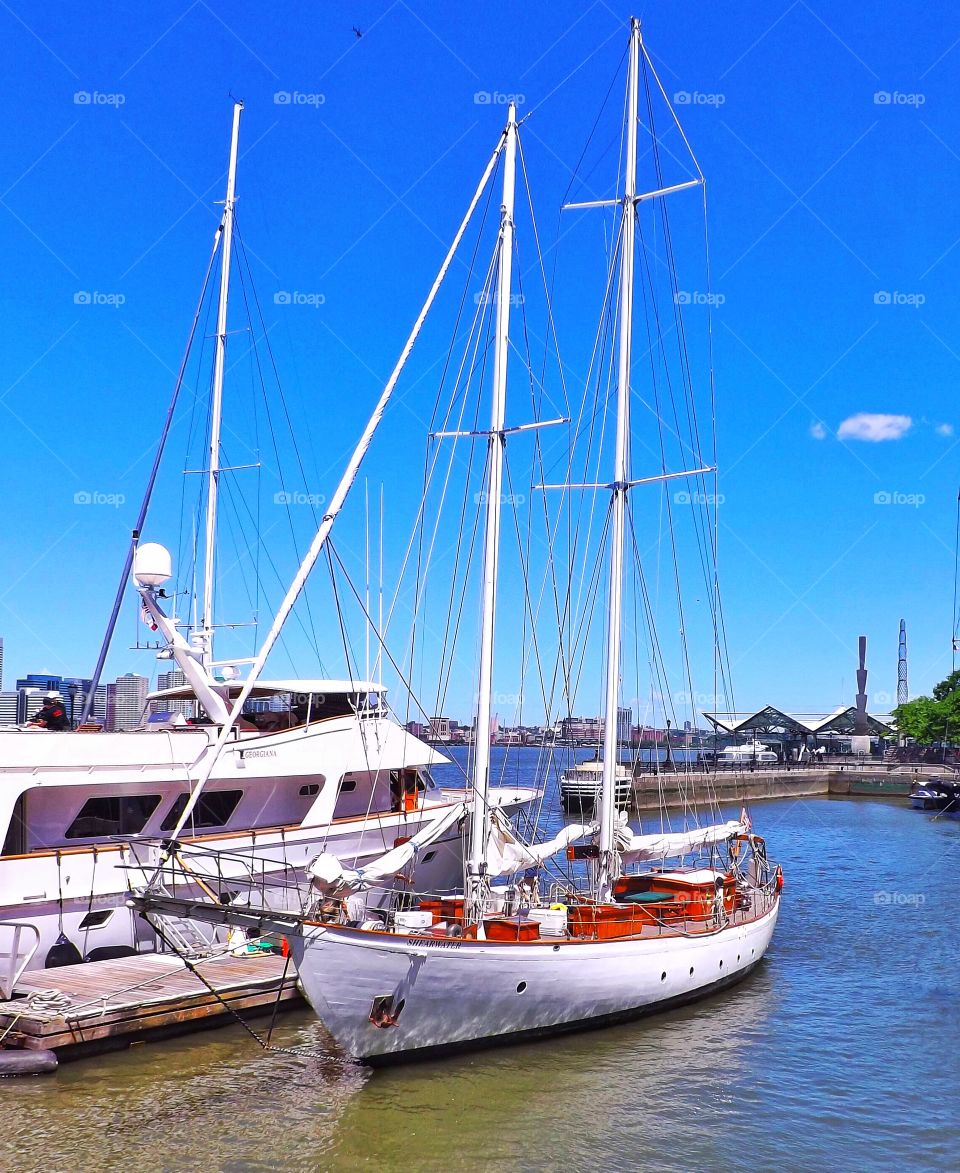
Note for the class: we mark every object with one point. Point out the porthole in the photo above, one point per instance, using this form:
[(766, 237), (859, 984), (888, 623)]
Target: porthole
[(663, 976), (556, 948), (96, 920), (522, 986), (691, 971), (738, 957), (721, 965), (430, 855)]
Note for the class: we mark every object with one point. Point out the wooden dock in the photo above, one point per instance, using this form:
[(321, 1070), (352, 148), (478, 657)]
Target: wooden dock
[(104, 1005)]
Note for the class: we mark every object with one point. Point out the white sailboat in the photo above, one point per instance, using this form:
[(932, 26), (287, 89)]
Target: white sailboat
[(501, 963), (309, 764)]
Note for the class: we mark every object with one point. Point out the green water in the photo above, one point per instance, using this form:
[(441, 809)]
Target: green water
[(841, 1051)]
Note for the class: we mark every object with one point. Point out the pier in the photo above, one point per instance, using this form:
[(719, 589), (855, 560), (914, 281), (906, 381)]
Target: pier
[(867, 779), (78, 1010)]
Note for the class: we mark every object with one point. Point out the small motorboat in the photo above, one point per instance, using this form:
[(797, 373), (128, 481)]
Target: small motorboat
[(580, 786), (938, 794)]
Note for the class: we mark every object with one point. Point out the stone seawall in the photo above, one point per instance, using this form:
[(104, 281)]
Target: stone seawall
[(732, 787)]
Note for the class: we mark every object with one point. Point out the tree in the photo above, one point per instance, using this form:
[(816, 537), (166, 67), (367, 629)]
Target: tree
[(932, 719)]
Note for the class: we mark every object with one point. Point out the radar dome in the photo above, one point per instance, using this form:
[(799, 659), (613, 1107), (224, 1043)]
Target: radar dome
[(152, 565)]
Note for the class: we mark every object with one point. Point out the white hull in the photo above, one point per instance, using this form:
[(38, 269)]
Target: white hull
[(458, 994)]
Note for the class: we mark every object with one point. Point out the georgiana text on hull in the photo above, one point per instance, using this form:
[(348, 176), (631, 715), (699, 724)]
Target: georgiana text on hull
[(567, 925)]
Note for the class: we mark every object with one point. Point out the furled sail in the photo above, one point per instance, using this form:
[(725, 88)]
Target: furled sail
[(329, 876), (661, 846), (506, 853)]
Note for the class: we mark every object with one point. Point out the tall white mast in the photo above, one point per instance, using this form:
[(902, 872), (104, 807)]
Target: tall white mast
[(608, 866), (216, 402), (480, 817)]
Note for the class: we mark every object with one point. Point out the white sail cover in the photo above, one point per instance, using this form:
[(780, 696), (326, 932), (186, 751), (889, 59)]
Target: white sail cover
[(506, 853), (673, 843), (329, 876)]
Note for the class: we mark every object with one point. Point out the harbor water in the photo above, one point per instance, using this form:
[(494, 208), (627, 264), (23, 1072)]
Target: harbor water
[(840, 1051)]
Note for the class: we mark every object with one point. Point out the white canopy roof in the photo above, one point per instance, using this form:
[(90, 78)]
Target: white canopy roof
[(271, 687)]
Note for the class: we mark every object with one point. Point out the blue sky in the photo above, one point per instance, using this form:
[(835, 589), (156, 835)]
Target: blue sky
[(831, 145)]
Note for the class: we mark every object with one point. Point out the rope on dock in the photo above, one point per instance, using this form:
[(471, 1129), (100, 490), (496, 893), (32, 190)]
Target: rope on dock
[(49, 1003)]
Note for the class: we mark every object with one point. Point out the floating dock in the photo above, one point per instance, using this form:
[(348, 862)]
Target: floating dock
[(77, 1010)]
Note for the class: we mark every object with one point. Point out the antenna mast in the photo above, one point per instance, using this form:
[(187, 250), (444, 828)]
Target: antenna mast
[(205, 635), (903, 694)]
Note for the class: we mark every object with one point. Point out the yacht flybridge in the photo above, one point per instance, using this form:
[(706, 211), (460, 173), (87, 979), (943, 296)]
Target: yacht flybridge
[(278, 769), (598, 922)]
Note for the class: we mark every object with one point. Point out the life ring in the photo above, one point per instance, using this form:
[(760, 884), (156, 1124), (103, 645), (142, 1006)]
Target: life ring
[(779, 879)]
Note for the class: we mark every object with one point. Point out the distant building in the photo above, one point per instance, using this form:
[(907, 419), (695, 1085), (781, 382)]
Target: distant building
[(441, 729), (624, 725), (174, 679), (10, 706), (417, 729), (126, 698), (581, 729)]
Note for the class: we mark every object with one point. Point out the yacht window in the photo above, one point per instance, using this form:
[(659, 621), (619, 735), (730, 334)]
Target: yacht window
[(119, 815), (96, 920), (348, 785), (213, 809), (309, 790)]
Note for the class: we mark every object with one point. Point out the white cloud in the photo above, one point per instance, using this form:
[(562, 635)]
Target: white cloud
[(818, 430), (944, 429), (867, 425)]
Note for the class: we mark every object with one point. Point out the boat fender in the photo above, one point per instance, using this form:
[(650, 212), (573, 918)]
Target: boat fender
[(26, 1063), (779, 879)]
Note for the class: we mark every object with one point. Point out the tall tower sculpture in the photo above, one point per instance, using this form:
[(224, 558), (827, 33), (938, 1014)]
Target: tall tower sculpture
[(903, 694), (860, 726)]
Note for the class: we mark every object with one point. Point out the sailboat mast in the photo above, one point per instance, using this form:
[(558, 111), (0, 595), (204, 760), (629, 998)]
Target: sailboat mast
[(216, 400), (608, 866), (480, 818)]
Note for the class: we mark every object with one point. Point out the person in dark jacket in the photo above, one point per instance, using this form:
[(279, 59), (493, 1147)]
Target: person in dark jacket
[(52, 715)]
